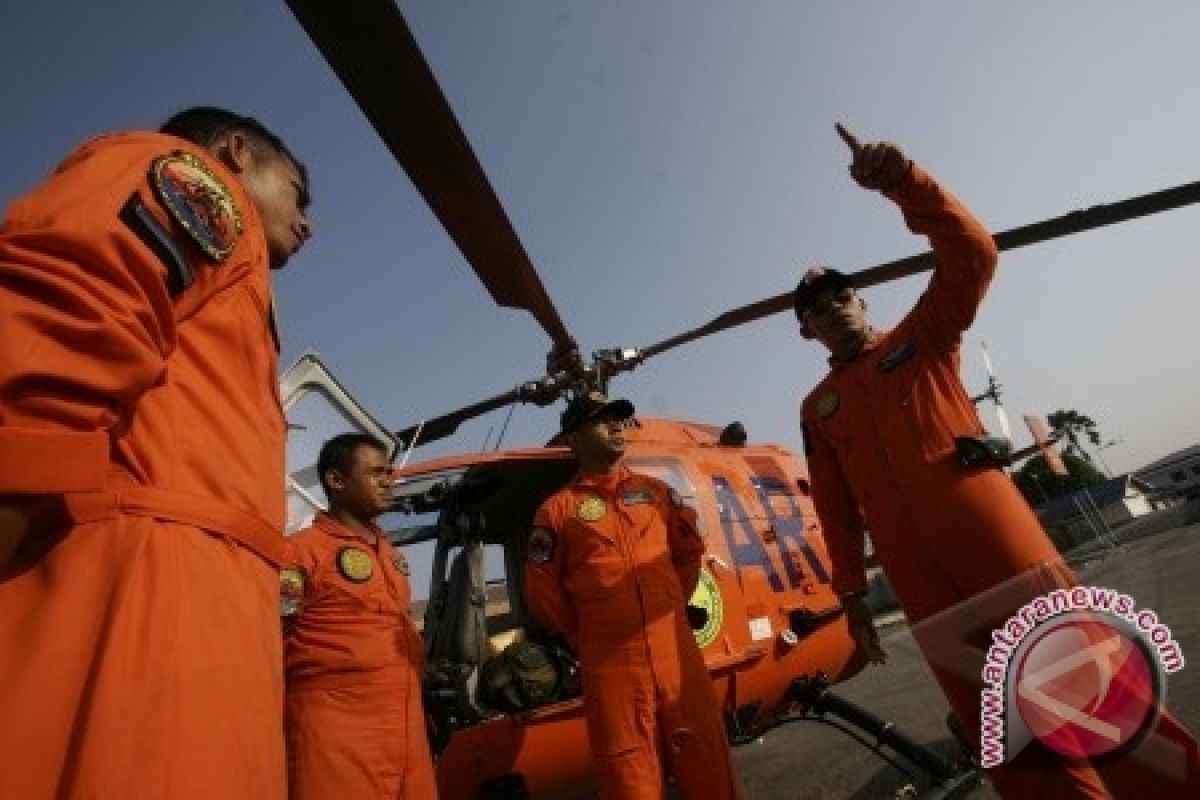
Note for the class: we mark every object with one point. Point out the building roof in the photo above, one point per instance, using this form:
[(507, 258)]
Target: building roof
[(1167, 461)]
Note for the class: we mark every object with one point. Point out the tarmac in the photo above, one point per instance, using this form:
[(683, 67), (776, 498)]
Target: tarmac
[(1159, 569)]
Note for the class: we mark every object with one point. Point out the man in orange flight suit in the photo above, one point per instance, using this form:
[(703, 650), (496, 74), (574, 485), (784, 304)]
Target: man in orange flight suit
[(612, 561), (960, 545), (355, 721), (141, 453)]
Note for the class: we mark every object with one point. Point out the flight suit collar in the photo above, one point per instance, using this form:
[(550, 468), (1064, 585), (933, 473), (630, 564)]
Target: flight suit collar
[(875, 336), (606, 483), (336, 529)]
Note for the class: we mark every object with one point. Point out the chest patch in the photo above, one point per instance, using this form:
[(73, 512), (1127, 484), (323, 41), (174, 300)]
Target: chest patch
[(199, 201), (592, 509), (637, 497), (540, 548), (889, 361), (355, 564), (828, 405)]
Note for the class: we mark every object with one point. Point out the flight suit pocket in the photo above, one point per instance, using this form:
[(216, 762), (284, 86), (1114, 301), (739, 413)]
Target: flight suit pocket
[(919, 400), (598, 572)]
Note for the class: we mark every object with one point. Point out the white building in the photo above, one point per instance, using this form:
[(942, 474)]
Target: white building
[(1177, 474)]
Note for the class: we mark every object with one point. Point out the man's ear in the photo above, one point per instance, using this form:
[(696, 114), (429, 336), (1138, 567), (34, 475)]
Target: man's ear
[(335, 480), (234, 151), (805, 329)]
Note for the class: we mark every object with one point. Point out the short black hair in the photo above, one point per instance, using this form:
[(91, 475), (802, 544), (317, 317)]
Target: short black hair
[(338, 454), (814, 283), (205, 125)]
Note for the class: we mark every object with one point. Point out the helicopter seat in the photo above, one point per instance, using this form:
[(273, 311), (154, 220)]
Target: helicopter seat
[(456, 636)]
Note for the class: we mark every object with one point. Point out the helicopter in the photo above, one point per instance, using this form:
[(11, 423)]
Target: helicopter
[(770, 627), (773, 633)]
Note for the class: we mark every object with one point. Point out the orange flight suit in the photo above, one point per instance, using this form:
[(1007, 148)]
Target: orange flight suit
[(355, 720), (879, 433), (617, 560), (139, 619)]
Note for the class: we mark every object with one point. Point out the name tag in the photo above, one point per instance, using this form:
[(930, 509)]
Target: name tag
[(889, 361), (637, 497)]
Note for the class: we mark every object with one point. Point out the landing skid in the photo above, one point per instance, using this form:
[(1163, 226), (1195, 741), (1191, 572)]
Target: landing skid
[(946, 779)]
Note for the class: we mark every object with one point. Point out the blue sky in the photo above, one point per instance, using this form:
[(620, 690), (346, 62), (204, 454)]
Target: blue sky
[(665, 161)]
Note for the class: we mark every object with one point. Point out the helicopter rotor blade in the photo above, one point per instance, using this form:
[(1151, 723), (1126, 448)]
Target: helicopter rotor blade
[(987, 360), (445, 425), (994, 392), (1002, 416), (371, 49), (1074, 222), (542, 392)]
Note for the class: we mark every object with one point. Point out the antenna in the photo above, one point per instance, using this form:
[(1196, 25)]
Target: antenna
[(504, 429), (412, 444), (993, 392)]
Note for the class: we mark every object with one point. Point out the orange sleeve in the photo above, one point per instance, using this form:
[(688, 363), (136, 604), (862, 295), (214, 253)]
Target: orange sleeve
[(841, 522), (687, 546), (965, 253), (545, 580), (86, 317)]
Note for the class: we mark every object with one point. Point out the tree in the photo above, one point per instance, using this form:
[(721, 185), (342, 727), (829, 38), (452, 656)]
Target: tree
[(1074, 426), (1039, 484)]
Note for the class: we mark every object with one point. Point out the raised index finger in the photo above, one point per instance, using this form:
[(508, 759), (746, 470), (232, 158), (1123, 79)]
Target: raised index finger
[(849, 138)]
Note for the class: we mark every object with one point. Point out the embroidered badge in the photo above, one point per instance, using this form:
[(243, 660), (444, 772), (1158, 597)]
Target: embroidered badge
[(291, 592), (828, 404), (708, 597), (540, 548), (889, 361), (637, 497), (199, 201), (355, 565), (591, 510)]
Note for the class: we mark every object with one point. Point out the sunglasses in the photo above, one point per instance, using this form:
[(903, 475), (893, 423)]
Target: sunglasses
[(827, 302)]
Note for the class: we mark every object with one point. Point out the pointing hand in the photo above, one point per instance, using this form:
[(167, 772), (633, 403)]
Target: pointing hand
[(879, 166)]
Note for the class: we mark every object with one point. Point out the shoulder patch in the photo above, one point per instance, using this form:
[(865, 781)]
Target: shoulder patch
[(199, 201), (291, 591), (355, 564), (827, 404), (540, 548)]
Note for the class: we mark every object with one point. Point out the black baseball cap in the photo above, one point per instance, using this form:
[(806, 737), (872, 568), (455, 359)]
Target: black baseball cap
[(587, 407), (816, 282)]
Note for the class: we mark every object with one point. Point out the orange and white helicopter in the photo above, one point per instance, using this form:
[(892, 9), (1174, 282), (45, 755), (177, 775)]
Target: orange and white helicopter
[(771, 631)]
